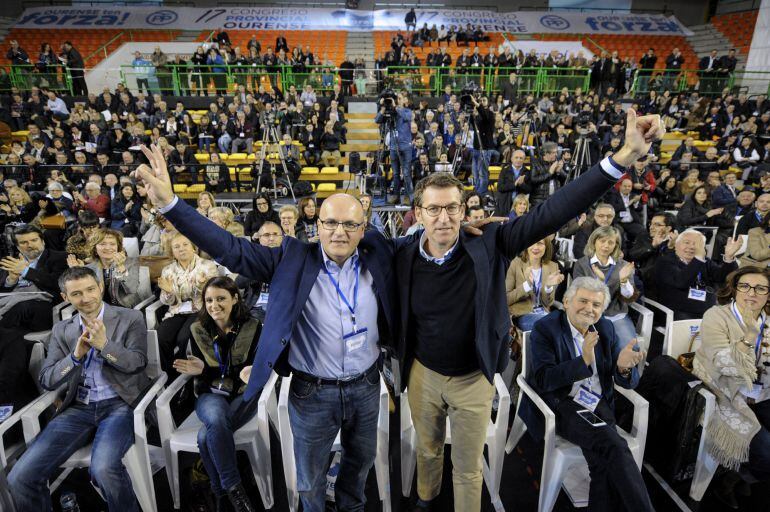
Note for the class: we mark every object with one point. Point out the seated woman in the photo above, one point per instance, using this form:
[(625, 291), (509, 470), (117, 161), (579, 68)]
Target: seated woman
[(602, 260), (79, 243), (224, 341), (519, 207), (373, 219), (531, 282), (119, 274), (732, 362), (289, 216), (181, 286), (126, 211)]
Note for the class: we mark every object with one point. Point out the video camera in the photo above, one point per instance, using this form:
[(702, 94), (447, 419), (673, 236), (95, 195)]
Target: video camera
[(467, 95), (389, 101)]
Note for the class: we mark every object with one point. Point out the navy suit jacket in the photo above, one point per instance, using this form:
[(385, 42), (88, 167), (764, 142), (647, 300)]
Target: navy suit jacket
[(492, 253), (721, 196), (291, 270), (552, 368)]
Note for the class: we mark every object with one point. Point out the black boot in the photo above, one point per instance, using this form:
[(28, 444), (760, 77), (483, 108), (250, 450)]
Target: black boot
[(223, 504), (724, 490), (238, 499)]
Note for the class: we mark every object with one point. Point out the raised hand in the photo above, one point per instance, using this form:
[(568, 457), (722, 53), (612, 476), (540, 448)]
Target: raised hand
[(165, 284), (97, 333), (554, 279), (641, 132), (74, 261), (628, 357), (589, 342), (155, 176), (627, 271), (732, 247)]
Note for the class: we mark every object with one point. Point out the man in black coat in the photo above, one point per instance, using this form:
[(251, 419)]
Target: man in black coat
[(646, 65), (756, 216), (647, 247), (36, 269), (74, 62), (346, 75), (511, 182)]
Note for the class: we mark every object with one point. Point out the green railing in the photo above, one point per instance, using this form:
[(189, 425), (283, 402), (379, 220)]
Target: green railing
[(25, 77), (708, 84)]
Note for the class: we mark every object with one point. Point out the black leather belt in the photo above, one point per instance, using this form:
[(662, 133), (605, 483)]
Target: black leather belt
[(296, 374)]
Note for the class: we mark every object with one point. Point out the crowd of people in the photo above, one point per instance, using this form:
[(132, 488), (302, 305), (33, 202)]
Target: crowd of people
[(86, 206)]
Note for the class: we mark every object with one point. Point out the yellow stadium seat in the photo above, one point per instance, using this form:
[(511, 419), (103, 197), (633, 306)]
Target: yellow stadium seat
[(310, 170), (238, 156), (326, 187), (196, 189), (179, 188), (329, 170), (202, 157)]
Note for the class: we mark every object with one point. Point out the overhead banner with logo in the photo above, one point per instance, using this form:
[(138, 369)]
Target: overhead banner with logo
[(292, 18)]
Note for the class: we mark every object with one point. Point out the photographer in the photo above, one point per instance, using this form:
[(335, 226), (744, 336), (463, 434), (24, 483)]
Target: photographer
[(483, 139), (397, 120), (547, 174)]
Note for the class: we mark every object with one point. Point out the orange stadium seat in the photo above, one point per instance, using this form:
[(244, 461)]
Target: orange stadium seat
[(737, 27)]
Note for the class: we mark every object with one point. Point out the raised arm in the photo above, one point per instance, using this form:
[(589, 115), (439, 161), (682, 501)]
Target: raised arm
[(237, 254), (575, 197)]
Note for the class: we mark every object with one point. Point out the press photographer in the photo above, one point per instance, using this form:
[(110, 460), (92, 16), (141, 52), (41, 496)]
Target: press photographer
[(483, 125), (395, 119)]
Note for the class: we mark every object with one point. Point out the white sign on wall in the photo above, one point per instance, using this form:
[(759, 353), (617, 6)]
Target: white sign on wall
[(291, 18)]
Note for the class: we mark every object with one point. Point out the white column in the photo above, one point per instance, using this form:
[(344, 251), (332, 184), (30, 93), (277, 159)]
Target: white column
[(759, 54)]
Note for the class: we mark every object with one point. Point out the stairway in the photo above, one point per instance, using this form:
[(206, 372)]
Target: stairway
[(361, 44), (707, 38), (188, 36), (363, 133)]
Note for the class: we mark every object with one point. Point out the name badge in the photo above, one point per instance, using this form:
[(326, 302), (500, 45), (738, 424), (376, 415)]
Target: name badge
[(83, 395), (539, 310), (186, 307), (587, 398), (355, 340), (262, 300), (242, 134), (6, 410), (696, 294)]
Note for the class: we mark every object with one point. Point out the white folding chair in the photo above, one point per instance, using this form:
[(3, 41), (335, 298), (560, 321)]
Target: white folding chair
[(137, 459), (253, 438), (711, 237), (661, 320), (519, 427), (678, 342), (381, 467), (644, 330), (43, 336), (492, 468), (131, 246), (563, 462), (150, 313)]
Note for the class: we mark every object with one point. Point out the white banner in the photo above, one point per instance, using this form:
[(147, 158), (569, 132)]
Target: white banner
[(290, 18)]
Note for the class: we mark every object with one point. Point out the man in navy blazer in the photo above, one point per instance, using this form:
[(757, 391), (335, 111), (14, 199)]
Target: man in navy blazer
[(574, 360), (454, 316)]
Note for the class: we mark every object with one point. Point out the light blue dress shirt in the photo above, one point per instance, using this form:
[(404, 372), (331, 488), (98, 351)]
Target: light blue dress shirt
[(317, 344), (92, 370)]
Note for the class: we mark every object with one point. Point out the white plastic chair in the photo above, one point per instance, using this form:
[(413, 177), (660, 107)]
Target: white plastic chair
[(662, 318), (563, 462), (519, 427), (150, 313), (492, 468), (711, 237), (43, 336), (644, 330), (253, 438), (679, 337), (287, 447), (131, 246), (137, 459)]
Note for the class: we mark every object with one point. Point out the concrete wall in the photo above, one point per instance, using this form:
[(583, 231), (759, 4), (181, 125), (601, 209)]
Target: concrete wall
[(759, 54)]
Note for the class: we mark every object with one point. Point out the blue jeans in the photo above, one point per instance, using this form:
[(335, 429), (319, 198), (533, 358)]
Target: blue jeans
[(112, 421), (317, 413), (215, 438), (526, 322), (481, 170), (625, 330), (401, 163)]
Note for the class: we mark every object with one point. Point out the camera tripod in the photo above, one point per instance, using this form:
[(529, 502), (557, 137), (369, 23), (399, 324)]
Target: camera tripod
[(581, 160), (269, 132)]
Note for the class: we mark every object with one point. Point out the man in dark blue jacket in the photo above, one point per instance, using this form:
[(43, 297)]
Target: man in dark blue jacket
[(574, 360), (454, 315)]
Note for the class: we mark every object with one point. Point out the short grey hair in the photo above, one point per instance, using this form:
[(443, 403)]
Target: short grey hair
[(691, 231), (55, 186), (590, 284), (549, 147)]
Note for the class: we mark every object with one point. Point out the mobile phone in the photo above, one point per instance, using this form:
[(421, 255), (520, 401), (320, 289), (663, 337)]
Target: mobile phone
[(591, 418)]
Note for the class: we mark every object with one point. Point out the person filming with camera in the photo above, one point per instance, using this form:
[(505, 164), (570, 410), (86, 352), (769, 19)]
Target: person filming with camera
[(397, 118), (483, 126)]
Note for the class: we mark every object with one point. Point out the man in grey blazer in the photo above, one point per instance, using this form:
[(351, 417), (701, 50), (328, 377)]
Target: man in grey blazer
[(99, 355)]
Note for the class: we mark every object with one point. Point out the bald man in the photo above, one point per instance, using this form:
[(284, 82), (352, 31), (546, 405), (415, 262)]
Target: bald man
[(331, 307)]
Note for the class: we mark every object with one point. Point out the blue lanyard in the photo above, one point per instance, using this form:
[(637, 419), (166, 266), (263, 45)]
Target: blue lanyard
[(89, 358), (609, 273), (223, 367), (758, 343), (537, 285), (342, 295)]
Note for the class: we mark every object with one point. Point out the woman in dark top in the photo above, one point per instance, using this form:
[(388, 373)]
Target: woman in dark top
[(308, 218), (224, 341), (697, 210), (262, 211), (669, 196), (126, 211)]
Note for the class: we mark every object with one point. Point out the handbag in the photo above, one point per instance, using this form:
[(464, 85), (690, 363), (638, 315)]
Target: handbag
[(53, 222), (685, 359)]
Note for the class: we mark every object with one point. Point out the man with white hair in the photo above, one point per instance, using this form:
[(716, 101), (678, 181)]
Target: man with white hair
[(575, 360), (688, 278)]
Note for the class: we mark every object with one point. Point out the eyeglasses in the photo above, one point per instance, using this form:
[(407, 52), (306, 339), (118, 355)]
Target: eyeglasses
[(270, 235), (759, 289), (435, 210), (332, 225)]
